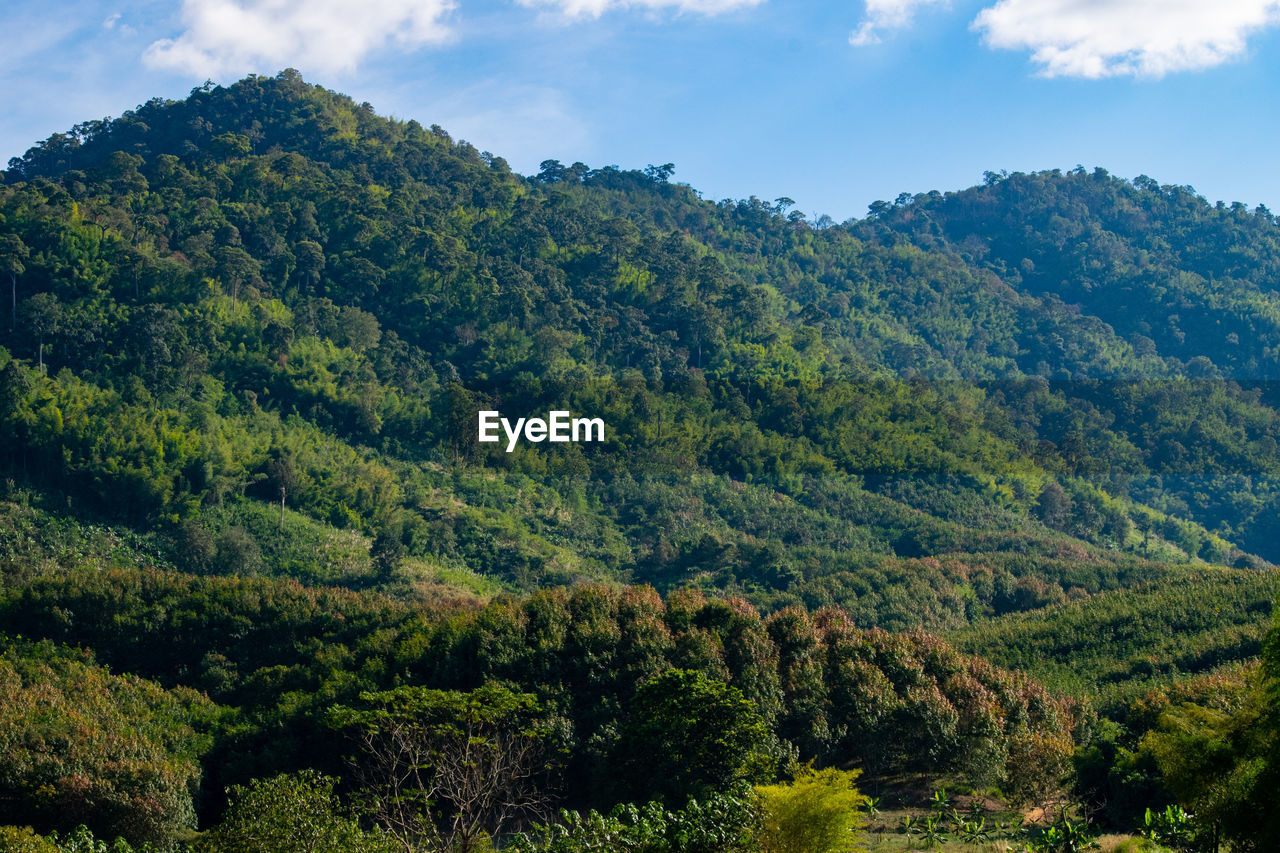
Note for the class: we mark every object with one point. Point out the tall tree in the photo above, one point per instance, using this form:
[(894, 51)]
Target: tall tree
[(44, 316), (479, 759), (13, 254)]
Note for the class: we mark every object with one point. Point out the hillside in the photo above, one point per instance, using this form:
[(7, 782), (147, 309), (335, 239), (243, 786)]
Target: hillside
[(277, 288), (249, 334)]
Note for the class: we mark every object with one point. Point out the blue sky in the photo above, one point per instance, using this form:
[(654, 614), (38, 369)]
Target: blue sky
[(833, 105)]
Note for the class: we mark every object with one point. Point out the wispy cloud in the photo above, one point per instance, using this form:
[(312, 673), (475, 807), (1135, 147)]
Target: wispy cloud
[(114, 22), (1108, 38), (223, 38), (887, 15), (596, 8)]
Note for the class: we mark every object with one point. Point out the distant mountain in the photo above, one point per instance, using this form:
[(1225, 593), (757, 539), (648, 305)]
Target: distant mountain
[(267, 294)]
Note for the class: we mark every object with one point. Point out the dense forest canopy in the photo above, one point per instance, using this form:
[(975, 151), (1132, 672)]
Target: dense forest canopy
[(246, 338)]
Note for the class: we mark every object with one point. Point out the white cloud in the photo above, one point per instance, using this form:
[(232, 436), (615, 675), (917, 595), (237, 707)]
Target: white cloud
[(596, 8), (887, 15), (114, 24), (1107, 38), (226, 38)]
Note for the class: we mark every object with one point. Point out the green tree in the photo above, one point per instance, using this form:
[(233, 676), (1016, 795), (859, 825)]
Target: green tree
[(292, 813), (237, 552), (13, 254), (236, 267), (689, 735), (357, 329), (82, 840), (44, 317), (310, 263), (446, 767), (820, 811), (461, 408), (1223, 765), (1054, 506)]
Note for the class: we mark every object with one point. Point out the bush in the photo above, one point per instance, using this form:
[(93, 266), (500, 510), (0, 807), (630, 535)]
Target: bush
[(820, 811), (721, 823), (294, 813), (22, 839)]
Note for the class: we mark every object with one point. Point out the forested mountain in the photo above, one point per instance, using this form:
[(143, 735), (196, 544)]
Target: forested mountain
[(248, 334)]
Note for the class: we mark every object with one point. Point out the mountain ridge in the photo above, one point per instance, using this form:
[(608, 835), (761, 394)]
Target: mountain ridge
[(251, 332)]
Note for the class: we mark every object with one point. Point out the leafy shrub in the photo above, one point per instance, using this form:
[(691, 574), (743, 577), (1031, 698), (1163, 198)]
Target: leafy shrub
[(720, 823), (820, 811), (22, 839), (294, 813)]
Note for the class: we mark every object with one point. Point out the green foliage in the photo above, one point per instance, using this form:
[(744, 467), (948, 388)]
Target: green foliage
[(1176, 828), (284, 655), (315, 319), (688, 735), (1064, 836), (1218, 767), (448, 767), (81, 840), (1207, 744), (80, 745), (1116, 645), (819, 811), (296, 813), (724, 822), (15, 839), (255, 328)]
